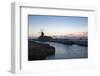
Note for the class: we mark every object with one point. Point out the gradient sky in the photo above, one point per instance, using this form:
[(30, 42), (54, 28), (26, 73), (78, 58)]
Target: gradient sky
[(56, 25)]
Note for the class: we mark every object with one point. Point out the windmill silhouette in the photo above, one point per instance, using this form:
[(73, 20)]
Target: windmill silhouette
[(43, 37), (42, 33)]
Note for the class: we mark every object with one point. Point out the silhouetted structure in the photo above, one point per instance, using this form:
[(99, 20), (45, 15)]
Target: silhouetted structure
[(44, 38), (42, 33)]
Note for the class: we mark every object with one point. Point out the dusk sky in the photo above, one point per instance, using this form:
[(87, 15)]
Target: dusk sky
[(56, 25)]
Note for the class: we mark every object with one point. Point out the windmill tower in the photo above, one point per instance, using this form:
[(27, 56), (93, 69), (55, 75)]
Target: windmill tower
[(42, 33), (43, 37)]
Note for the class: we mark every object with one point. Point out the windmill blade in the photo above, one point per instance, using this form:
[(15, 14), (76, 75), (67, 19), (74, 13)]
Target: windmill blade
[(41, 32)]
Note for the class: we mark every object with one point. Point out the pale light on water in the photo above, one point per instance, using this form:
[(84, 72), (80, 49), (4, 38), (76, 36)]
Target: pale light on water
[(68, 51)]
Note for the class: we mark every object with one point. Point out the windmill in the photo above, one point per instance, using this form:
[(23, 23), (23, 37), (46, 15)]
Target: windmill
[(42, 33)]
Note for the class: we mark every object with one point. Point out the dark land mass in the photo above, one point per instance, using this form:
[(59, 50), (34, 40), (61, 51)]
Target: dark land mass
[(81, 42), (71, 42), (39, 51)]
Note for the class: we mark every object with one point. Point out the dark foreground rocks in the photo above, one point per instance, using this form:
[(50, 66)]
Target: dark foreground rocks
[(39, 51)]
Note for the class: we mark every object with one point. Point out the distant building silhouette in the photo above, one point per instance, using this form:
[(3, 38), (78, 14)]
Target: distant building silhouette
[(42, 33), (43, 37)]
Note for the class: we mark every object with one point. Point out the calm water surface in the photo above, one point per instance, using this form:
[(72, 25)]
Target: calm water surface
[(68, 51)]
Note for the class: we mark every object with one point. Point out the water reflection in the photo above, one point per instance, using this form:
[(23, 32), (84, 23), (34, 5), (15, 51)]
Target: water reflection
[(68, 51)]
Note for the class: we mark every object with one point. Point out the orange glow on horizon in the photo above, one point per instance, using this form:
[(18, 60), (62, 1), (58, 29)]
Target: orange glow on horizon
[(60, 34)]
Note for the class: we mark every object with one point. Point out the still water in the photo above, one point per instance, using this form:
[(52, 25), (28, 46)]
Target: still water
[(63, 51)]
